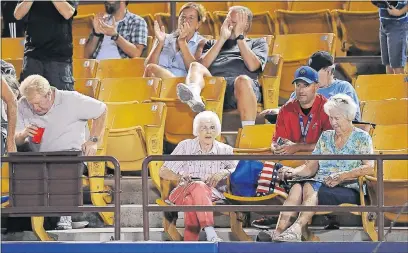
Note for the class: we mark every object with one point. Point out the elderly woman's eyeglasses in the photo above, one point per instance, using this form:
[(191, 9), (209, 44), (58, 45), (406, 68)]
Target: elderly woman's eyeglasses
[(210, 129), (341, 100)]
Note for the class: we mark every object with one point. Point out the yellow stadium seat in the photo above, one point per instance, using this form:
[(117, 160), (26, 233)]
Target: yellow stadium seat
[(359, 30), (148, 48), (12, 48), (120, 68), (90, 8), (150, 25), (79, 46), (302, 5), (209, 6), (141, 8), (206, 28), (84, 68), (270, 82), (87, 86), (82, 25), (262, 22), (18, 65), (256, 7), (305, 45), (360, 6), (293, 22), (395, 175), (5, 174), (385, 112), (256, 137), (213, 96), (129, 89), (371, 87), (390, 137), (136, 131)]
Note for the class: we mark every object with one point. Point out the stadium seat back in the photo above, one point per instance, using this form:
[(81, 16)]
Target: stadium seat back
[(79, 46), (5, 173), (129, 89), (256, 136), (256, 7), (270, 82), (12, 48), (18, 65), (361, 6), (87, 86), (372, 87), (84, 68), (301, 5), (120, 68), (179, 123), (141, 8), (305, 45), (359, 30), (297, 22), (136, 131), (385, 112), (82, 25), (390, 137)]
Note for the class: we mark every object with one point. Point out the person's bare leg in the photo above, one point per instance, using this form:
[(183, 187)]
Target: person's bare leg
[(154, 70), (190, 92), (309, 199), (389, 70), (246, 99), (287, 218)]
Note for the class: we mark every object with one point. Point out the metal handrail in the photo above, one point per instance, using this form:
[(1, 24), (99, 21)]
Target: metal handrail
[(379, 208), (70, 209)]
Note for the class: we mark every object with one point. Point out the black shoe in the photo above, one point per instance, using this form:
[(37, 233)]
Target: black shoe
[(265, 222)]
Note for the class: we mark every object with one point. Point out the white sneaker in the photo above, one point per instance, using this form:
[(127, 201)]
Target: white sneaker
[(216, 239), (188, 97), (79, 224), (65, 223)]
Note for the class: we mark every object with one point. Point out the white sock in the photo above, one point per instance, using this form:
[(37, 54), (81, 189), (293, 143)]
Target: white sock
[(210, 232), (248, 123), (196, 90)]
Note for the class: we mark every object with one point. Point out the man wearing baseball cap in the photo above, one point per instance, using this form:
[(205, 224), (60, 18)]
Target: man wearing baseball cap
[(323, 63), (301, 120)]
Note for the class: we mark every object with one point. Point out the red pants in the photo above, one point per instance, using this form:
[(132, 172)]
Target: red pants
[(194, 193)]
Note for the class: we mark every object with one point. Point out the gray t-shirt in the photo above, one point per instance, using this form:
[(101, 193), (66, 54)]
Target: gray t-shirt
[(64, 123), (229, 62)]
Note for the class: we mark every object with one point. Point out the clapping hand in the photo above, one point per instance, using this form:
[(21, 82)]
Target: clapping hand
[(184, 30), (159, 32), (109, 30)]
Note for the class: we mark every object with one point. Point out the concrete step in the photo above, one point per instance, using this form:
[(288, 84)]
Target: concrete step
[(131, 187), (351, 234)]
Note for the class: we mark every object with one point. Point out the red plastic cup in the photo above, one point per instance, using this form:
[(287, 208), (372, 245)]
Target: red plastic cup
[(38, 136)]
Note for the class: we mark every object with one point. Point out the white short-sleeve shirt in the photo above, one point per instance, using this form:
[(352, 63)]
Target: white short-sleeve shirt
[(64, 123), (200, 169)]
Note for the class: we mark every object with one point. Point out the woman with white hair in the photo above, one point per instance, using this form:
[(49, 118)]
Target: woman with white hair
[(327, 182), (200, 182)]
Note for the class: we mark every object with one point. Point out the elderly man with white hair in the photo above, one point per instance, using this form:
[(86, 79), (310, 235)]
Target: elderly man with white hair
[(50, 120), (200, 182), (327, 182), (237, 58)]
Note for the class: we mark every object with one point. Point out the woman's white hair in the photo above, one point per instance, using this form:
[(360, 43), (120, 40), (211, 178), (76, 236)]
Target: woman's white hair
[(204, 117), (342, 102)]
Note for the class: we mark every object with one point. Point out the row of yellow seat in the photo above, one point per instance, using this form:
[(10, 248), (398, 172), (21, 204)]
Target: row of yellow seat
[(147, 8)]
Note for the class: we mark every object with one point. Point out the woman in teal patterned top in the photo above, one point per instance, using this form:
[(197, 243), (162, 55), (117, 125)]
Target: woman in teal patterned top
[(327, 182)]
